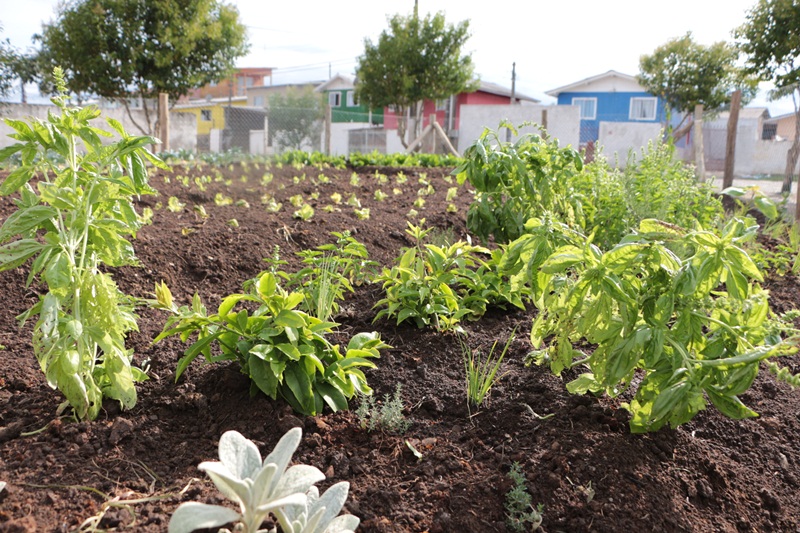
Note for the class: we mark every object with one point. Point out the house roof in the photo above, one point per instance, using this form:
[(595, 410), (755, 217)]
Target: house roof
[(776, 118), (748, 113), (255, 70), (206, 102), (573, 87), (340, 79), (493, 88), (286, 85)]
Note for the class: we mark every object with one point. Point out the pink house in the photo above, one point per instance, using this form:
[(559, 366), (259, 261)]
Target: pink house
[(448, 111)]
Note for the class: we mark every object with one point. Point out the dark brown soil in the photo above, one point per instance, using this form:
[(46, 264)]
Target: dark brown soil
[(582, 464)]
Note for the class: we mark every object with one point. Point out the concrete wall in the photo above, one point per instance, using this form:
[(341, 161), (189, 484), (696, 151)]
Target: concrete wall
[(618, 140), (340, 138), (563, 122), (182, 131)]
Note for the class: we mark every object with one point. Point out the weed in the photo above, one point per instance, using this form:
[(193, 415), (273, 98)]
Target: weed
[(522, 516), (388, 417)]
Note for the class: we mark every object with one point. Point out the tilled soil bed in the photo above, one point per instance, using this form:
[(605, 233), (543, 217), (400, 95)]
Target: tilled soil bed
[(711, 475)]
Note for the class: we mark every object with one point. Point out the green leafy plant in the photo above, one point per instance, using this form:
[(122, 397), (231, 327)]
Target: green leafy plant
[(362, 214), (681, 310), (73, 222), (306, 212), (522, 516), (174, 205), (515, 182), (222, 200), (387, 417), (423, 285), (283, 350), (264, 487), (481, 374)]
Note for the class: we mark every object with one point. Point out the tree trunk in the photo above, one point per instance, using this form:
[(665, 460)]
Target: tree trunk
[(699, 155), (730, 147), (402, 123), (22, 91), (791, 157)]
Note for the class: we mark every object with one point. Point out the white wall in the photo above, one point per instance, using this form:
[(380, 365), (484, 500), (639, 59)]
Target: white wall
[(563, 122), (618, 140), (182, 130), (340, 140)]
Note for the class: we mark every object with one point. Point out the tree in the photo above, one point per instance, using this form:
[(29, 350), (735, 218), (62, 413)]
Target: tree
[(413, 61), (694, 79), (123, 49), (770, 40), (294, 118), (25, 68), (6, 69)]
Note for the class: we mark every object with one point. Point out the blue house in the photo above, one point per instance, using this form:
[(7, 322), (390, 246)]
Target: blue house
[(609, 97)]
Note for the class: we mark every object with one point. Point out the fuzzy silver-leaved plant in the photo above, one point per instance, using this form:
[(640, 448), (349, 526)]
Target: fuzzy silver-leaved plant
[(263, 487)]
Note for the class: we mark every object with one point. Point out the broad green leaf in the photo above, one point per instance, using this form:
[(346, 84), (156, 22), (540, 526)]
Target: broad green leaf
[(290, 319), (730, 405), (15, 253), (23, 221)]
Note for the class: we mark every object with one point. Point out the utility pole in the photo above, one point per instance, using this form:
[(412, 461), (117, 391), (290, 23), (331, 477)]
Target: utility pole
[(513, 83), (513, 94)]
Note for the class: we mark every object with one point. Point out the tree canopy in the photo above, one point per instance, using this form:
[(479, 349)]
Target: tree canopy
[(770, 40), (7, 58), (414, 60), (120, 49), (684, 74), (295, 118)]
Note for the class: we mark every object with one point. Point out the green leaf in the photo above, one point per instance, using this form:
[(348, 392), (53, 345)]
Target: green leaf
[(299, 387), (290, 319), (730, 405), (263, 375), (16, 179), (15, 253), (290, 350), (25, 220)]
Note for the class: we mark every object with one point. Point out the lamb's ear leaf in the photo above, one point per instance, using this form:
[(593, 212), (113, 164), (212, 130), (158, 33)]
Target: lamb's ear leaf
[(239, 454), (282, 453), (229, 485), (193, 515)]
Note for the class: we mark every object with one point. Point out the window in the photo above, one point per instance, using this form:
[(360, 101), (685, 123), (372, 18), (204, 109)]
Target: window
[(335, 99), (442, 105), (643, 108), (769, 132), (588, 107), (249, 82), (351, 99), (258, 101), (205, 115)]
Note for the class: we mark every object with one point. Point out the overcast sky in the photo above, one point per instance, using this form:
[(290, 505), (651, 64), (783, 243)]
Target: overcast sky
[(553, 43)]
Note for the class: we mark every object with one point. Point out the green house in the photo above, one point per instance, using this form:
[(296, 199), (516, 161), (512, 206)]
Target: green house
[(340, 93)]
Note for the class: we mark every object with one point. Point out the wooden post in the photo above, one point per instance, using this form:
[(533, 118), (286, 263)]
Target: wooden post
[(433, 122), (699, 151), (328, 119), (544, 123), (730, 146), (163, 120)]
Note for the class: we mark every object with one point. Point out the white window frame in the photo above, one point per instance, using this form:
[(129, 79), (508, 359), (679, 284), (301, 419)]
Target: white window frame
[(576, 101), (205, 113), (258, 101), (335, 99), (351, 99), (643, 99)]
